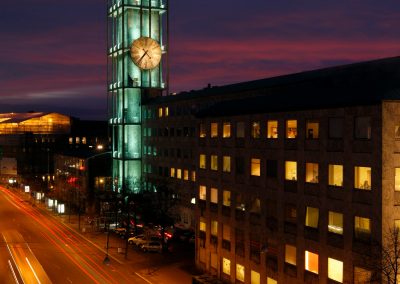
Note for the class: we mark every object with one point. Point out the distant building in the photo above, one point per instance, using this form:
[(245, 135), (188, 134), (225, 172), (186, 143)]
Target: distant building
[(295, 178)]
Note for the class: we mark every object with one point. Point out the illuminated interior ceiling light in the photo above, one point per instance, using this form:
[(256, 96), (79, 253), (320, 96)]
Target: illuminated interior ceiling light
[(99, 147)]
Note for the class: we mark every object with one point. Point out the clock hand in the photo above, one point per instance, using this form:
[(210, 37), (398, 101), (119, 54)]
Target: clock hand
[(141, 58)]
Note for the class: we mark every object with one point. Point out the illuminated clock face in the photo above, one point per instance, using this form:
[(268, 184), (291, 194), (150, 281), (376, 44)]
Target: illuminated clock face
[(146, 53)]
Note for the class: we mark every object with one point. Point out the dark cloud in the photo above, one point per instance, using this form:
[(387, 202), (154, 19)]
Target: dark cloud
[(52, 56)]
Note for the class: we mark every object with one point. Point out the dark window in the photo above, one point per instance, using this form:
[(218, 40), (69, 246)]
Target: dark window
[(172, 132), (239, 165), (335, 127), (362, 127), (272, 168)]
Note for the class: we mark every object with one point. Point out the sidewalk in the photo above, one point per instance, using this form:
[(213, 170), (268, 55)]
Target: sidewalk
[(159, 269)]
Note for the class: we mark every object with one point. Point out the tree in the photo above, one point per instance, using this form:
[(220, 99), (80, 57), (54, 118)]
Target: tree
[(384, 261)]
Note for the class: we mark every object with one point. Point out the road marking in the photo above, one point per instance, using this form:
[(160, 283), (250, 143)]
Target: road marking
[(13, 272), (33, 270), (143, 278)]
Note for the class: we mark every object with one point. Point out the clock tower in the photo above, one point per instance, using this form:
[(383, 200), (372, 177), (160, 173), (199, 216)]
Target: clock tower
[(136, 68)]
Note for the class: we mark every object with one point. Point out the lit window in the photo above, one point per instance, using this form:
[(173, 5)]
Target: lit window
[(202, 161), (214, 228), (362, 178), (255, 206), (362, 127), (397, 132), (226, 164), (312, 129), (335, 270), (271, 281), (202, 226), (290, 170), (226, 130), (362, 228), (186, 175), (397, 179), (255, 167), (290, 254), (226, 198), (178, 173), (312, 172), (226, 232), (272, 131), (83, 140), (255, 129), (291, 129), (214, 129), (202, 132), (226, 266), (70, 140), (335, 175), (172, 173), (255, 277), (202, 192), (193, 175), (361, 275), (77, 140), (240, 129), (166, 111), (311, 262), (214, 195), (335, 223), (312, 216), (160, 112), (240, 272), (214, 162), (397, 224)]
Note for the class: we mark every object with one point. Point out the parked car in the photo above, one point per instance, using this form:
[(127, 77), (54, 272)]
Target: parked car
[(120, 231), (136, 240), (151, 246)]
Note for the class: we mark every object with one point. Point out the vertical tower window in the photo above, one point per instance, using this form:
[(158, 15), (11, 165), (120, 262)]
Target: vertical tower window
[(226, 266), (214, 162), (226, 195), (226, 130), (255, 167), (166, 111), (240, 272), (362, 228), (240, 129), (172, 172), (272, 129), (290, 254), (226, 164), (312, 129), (312, 172), (202, 161), (291, 129), (311, 262), (214, 228), (214, 195), (335, 270), (202, 130), (362, 178), (290, 170), (335, 222), (202, 192), (255, 129), (335, 175), (160, 112), (312, 216), (214, 129), (397, 179)]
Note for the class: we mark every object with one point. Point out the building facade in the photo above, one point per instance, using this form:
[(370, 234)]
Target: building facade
[(295, 179)]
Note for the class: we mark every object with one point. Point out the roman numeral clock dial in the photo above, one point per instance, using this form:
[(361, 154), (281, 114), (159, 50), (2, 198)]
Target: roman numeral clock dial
[(146, 53)]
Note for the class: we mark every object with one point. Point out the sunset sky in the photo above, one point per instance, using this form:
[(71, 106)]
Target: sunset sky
[(53, 53)]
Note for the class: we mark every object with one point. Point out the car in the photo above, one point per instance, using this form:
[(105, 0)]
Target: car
[(120, 231), (151, 246), (136, 240)]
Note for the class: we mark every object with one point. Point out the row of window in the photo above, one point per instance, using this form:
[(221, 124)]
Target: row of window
[(149, 150), (335, 267), (362, 175), (362, 225), (362, 129), (169, 132), (165, 111)]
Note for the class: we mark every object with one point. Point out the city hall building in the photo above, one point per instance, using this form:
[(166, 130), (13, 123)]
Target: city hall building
[(290, 179)]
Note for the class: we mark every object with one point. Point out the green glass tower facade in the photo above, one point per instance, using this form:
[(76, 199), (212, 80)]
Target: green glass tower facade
[(128, 84)]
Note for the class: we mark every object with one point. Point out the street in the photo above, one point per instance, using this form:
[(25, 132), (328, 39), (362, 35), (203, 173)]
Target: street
[(36, 247)]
